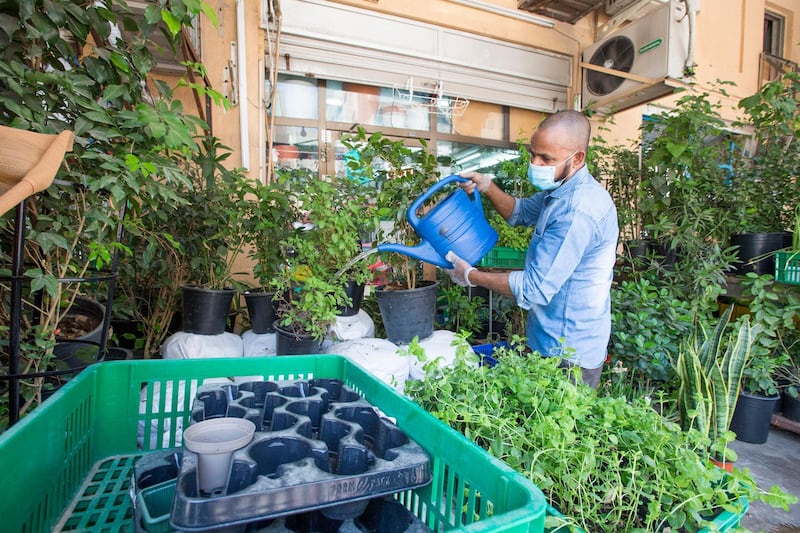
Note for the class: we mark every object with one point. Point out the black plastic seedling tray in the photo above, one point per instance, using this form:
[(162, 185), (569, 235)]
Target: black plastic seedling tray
[(318, 446)]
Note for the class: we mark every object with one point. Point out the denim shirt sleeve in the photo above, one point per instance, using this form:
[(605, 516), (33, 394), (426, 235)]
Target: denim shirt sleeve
[(555, 251)]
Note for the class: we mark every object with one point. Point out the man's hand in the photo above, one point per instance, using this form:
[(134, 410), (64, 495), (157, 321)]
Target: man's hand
[(481, 181), (460, 271)]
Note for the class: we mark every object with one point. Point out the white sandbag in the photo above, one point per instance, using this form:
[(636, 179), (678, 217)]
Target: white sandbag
[(258, 344), (183, 345), (380, 357), (357, 326), (441, 347)]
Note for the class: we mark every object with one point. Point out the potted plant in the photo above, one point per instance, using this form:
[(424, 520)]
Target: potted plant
[(400, 174), (267, 224), (340, 214), (764, 187), (789, 379), (648, 327), (331, 217), (308, 304), (774, 311), (710, 370), (685, 202)]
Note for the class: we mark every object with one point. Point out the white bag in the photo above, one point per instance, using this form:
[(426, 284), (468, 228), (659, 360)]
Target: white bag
[(183, 345), (357, 326), (258, 344), (441, 347), (379, 357)]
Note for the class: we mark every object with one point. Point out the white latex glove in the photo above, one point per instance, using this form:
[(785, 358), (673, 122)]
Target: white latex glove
[(481, 181), (460, 271)]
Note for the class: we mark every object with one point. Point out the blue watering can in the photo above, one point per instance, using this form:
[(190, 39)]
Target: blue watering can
[(455, 224)]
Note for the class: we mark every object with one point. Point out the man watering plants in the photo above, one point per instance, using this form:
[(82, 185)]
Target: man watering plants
[(566, 283)]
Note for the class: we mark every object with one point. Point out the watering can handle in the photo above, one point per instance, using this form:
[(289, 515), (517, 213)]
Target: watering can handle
[(411, 214)]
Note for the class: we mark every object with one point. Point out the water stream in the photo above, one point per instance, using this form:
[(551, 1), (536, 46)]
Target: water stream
[(356, 259)]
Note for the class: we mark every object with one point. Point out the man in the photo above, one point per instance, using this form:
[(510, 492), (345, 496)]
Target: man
[(566, 284)]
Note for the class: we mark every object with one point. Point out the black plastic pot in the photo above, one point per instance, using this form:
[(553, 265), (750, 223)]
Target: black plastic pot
[(408, 313), (756, 251), (288, 343), (261, 309), (791, 407), (205, 311), (91, 309), (753, 417), (355, 291)]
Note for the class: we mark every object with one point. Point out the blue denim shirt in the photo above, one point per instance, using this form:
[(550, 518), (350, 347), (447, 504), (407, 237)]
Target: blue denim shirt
[(569, 266)]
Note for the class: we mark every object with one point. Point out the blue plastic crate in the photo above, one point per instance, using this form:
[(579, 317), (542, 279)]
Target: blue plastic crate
[(486, 351)]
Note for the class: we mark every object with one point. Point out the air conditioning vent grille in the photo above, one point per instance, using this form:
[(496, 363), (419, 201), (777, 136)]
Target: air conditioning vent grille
[(617, 53)]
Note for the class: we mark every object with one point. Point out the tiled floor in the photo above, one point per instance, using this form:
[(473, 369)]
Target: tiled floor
[(776, 462)]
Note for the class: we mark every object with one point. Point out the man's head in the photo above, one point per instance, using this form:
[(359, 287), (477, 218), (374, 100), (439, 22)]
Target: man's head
[(561, 141)]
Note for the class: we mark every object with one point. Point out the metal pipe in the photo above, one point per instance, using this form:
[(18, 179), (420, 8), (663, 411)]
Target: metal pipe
[(16, 315), (241, 58)]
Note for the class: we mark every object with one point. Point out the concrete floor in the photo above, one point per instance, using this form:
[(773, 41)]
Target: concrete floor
[(776, 462)]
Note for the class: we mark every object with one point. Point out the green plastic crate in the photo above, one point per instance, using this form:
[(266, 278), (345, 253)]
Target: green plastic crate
[(67, 465), (503, 257), (787, 267)]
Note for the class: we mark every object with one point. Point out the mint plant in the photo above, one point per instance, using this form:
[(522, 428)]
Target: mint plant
[(607, 464)]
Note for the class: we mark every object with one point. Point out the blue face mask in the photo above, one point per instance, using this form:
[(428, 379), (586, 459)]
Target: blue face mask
[(544, 177)]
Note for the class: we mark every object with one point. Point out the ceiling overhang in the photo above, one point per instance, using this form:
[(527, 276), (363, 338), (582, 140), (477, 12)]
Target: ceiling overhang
[(569, 11)]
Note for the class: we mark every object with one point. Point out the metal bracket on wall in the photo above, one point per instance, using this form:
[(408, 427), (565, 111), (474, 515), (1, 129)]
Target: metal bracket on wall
[(231, 79)]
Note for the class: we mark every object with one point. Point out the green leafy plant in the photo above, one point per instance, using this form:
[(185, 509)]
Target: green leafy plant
[(267, 224), (307, 303), (336, 216), (399, 174), (512, 177), (210, 227), (710, 370), (776, 312), (619, 167), (685, 200), (648, 325), (62, 68), (339, 215), (765, 188), (461, 313), (605, 463)]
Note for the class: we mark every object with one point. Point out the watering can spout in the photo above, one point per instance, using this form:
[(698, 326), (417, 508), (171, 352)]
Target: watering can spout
[(422, 252)]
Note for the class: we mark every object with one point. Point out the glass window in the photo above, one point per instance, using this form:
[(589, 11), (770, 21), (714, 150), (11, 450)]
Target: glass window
[(297, 98), (457, 157), (296, 147), (478, 119)]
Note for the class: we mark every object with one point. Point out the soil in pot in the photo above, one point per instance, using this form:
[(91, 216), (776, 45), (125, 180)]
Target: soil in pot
[(83, 321)]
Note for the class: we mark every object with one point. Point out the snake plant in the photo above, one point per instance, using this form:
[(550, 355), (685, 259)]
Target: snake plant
[(710, 370)]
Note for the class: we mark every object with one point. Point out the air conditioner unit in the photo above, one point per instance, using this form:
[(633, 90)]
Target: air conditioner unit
[(640, 62)]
